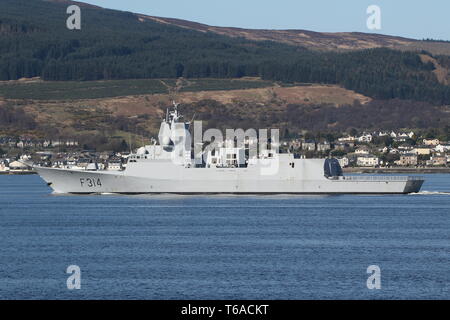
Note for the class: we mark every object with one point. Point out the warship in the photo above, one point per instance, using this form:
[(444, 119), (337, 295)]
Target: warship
[(171, 166)]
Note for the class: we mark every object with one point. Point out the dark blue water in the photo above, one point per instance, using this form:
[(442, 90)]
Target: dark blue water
[(223, 247)]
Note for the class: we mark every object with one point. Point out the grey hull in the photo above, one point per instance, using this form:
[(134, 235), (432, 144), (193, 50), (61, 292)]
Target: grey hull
[(227, 182)]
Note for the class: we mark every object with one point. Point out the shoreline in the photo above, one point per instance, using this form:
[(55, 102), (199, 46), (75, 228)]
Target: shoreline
[(18, 173), (396, 170)]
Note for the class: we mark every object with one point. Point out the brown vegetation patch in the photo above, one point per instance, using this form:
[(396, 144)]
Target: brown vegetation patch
[(442, 74)]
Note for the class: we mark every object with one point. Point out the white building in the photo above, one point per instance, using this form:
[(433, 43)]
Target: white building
[(3, 167), (431, 142), (442, 148), (362, 150), (367, 161), (365, 138), (343, 162), (405, 135), (394, 151), (323, 146), (17, 166), (114, 166), (348, 138), (384, 150)]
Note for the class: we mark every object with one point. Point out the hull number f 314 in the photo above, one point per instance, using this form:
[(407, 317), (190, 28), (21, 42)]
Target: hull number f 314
[(90, 182)]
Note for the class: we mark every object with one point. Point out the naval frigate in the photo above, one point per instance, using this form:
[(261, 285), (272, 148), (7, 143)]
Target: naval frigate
[(171, 167)]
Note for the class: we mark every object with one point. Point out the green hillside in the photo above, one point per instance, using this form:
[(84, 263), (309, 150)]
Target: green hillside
[(115, 45)]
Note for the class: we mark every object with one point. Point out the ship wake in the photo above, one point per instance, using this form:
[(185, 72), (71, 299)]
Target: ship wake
[(428, 193)]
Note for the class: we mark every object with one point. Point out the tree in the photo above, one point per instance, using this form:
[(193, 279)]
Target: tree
[(124, 146)]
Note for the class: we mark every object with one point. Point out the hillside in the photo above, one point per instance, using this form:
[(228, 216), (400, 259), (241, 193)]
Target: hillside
[(98, 106), (37, 89), (114, 45), (322, 41), (295, 110)]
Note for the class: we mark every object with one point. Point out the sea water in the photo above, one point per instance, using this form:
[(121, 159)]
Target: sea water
[(223, 247)]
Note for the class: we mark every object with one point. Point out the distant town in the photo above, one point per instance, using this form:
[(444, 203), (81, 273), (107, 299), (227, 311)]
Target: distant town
[(384, 149)]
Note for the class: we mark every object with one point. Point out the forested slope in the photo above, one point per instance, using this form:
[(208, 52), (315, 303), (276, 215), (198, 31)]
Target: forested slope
[(34, 41)]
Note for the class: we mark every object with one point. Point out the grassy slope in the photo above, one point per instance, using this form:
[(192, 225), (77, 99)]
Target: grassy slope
[(136, 106), (72, 90)]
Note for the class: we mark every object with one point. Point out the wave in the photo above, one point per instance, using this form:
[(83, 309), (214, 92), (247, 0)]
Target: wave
[(427, 193)]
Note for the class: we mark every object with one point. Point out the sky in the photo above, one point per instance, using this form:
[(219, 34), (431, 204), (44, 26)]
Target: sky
[(416, 19)]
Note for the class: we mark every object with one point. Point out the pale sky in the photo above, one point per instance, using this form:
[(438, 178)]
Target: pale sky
[(409, 18)]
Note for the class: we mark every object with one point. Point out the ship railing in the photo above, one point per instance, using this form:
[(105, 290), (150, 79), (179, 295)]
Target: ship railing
[(382, 178)]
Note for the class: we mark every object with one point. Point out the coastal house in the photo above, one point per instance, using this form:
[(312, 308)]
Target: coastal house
[(60, 164), (399, 139), (367, 160), (438, 160), (405, 135), (18, 166), (295, 144), (309, 145), (323, 146), (114, 166), (405, 148), (12, 143), (431, 142), (367, 137), (29, 143), (343, 145), (56, 143), (442, 147), (394, 151), (362, 150), (347, 139), (384, 150), (83, 162), (422, 150), (4, 166), (114, 163), (408, 159), (71, 143), (344, 162)]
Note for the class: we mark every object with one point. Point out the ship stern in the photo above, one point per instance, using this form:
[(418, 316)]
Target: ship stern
[(413, 185)]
